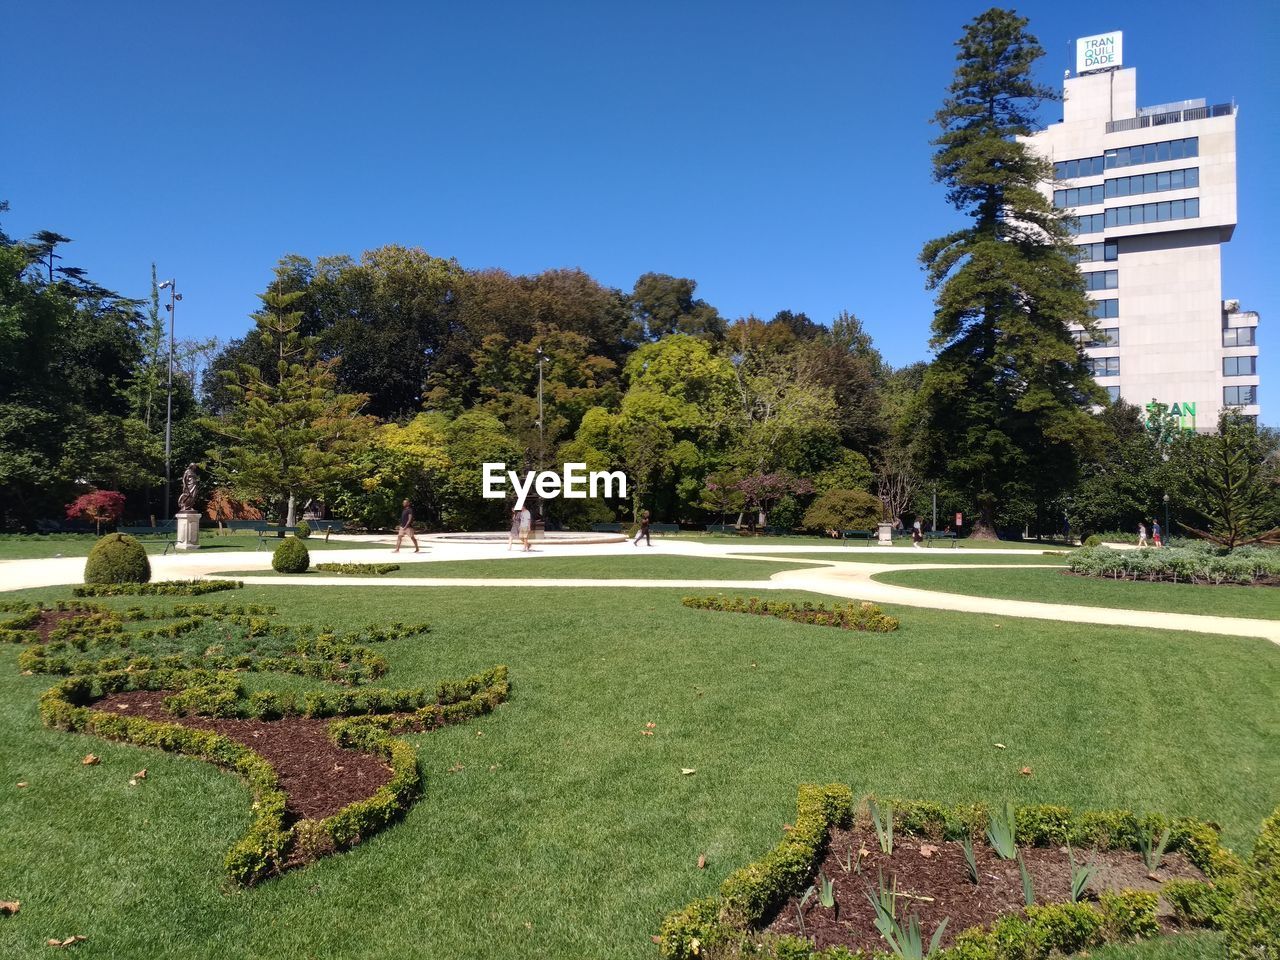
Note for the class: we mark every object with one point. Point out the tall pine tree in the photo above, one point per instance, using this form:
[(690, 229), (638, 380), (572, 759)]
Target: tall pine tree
[(290, 433), (1004, 408)]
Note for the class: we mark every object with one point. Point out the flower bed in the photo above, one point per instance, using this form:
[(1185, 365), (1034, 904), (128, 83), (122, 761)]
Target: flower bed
[(754, 912), (852, 616), (1245, 565)]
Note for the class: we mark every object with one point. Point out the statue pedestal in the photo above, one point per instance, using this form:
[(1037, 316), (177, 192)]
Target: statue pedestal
[(884, 534), (188, 537)]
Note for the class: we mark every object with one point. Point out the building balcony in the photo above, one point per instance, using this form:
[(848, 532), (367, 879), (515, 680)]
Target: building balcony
[(1171, 116)]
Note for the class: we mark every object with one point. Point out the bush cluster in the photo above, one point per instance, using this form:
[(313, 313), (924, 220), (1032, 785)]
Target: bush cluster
[(162, 588), (117, 558), (1191, 564), (303, 530), (749, 896), (291, 556), (359, 569), (852, 616)]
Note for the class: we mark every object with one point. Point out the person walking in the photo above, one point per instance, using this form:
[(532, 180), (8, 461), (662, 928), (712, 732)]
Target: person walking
[(917, 535), (643, 530), (406, 528), (1142, 533), (526, 527), (514, 534), (1155, 534)]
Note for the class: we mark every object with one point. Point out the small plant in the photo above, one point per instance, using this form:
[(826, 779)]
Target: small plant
[(826, 891), (1153, 848), (808, 895), (970, 860), (1080, 877), (1028, 888), (882, 820), (852, 862), (905, 940), (1002, 832)]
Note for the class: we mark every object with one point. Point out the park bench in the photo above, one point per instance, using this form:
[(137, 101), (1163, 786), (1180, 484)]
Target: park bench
[(262, 528), (327, 526), (931, 535), (859, 534), (606, 528), (722, 528), (167, 531), (661, 528)]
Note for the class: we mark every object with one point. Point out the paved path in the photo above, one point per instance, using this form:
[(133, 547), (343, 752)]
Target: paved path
[(842, 579)]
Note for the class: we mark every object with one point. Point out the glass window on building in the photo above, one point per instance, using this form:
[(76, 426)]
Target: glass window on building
[(1244, 396), (1239, 366), (1238, 337), (1113, 393), (1105, 309)]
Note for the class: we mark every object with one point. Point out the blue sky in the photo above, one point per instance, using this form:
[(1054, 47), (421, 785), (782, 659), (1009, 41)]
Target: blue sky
[(777, 153)]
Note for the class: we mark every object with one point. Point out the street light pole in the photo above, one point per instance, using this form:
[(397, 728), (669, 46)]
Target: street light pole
[(174, 297), (542, 432)]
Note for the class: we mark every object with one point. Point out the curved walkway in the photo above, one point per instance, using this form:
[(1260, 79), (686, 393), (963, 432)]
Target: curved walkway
[(852, 580)]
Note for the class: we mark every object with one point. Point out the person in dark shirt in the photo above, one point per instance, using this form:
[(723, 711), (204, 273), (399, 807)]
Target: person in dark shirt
[(406, 528), (643, 530)]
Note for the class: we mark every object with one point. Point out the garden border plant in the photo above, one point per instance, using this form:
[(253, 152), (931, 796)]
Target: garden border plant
[(362, 718), (1200, 564), (160, 588), (863, 616), (1240, 899), (358, 569)]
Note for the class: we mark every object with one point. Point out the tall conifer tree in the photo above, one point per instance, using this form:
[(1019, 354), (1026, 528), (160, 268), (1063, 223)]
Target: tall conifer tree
[(1004, 408)]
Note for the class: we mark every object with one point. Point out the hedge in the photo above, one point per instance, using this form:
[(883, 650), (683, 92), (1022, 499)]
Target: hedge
[(270, 845), (749, 896), (359, 569), (161, 588), (851, 616)]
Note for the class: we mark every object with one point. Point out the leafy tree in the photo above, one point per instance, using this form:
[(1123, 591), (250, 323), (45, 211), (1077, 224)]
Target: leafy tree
[(1004, 406), (1121, 484), (100, 506), (844, 510), (762, 490), (293, 434), (662, 304), (1231, 481)]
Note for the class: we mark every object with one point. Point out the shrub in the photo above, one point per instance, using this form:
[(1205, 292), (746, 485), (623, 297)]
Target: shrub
[(844, 510), (1189, 564), (291, 557), (359, 569), (304, 530), (117, 558), (163, 588), (852, 616)]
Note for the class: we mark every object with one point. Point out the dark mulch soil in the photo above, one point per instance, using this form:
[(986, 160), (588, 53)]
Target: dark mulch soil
[(943, 878), (49, 620), (318, 777)]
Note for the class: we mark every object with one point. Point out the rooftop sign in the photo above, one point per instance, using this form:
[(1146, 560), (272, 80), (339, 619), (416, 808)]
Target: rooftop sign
[(1101, 52)]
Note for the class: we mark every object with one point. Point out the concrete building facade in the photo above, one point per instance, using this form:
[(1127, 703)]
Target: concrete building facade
[(1153, 195)]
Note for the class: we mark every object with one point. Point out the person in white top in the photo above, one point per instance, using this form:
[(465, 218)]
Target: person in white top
[(526, 525), (1142, 534)]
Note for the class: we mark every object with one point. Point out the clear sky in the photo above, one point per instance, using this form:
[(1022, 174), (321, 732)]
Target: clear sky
[(777, 153)]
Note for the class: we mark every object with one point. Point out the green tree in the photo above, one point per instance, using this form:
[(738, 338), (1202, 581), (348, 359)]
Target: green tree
[(1004, 408), (662, 304), (291, 434), (1121, 484), (1230, 480)]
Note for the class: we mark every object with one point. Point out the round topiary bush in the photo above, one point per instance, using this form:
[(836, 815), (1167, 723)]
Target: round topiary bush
[(304, 530), (117, 558), (1093, 540), (291, 557)]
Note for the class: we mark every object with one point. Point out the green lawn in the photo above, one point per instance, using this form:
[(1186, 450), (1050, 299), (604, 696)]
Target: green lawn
[(35, 548), (564, 833), (815, 541), (1054, 586), (642, 567), (957, 557)]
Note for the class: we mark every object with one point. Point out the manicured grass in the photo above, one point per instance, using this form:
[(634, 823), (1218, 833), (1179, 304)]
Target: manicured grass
[(35, 548), (642, 567), (898, 541), (1054, 586), (563, 832), (957, 557)]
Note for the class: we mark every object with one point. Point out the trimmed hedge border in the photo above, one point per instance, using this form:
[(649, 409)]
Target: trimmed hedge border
[(271, 846), (1243, 901), (1198, 564), (161, 588), (358, 569), (852, 616)]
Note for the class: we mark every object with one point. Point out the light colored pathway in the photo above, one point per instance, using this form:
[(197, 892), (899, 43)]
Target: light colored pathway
[(852, 580)]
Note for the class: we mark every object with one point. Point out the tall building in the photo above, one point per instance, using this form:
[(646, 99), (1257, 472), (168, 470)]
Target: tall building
[(1153, 194)]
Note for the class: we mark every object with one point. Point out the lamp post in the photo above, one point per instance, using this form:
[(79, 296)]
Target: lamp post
[(542, 433), (174, 297), (1167, 531)]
